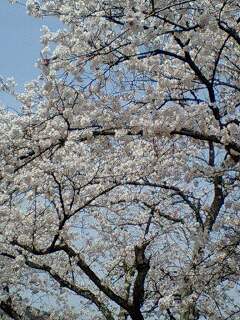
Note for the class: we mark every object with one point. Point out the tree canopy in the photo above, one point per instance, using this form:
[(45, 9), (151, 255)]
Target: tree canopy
[(120, 175)]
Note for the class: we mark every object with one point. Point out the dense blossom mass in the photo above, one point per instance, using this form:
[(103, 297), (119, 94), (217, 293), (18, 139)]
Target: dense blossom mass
[(120, 172)]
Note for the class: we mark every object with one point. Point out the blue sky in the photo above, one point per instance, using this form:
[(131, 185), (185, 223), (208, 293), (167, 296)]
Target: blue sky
[(20, 45)]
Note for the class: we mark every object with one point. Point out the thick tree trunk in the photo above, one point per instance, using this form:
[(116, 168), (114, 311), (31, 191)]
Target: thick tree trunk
[(136, 315)]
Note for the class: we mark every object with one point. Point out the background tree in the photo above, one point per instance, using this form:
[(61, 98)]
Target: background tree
[(120, 175)]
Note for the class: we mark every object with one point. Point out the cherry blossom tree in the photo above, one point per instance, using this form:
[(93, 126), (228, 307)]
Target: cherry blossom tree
[(120, 173)]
